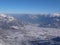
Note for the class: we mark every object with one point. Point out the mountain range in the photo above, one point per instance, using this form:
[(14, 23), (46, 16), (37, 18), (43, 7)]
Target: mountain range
[(30, 29), (42, 20)]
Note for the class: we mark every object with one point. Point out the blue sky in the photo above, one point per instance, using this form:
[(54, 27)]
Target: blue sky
[(29, 6)]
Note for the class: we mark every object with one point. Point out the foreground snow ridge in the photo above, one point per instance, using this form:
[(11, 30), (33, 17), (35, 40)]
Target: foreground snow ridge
[(28, 33)]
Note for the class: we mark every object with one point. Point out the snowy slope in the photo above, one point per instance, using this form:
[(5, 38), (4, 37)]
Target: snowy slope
[(28, 33)]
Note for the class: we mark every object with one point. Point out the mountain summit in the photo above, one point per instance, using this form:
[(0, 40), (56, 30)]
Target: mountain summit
[(7, 21)]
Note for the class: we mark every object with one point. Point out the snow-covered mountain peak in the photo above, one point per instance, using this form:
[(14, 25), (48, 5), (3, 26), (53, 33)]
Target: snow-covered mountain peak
[(10, 18), (3, 15), (6, 17), (9, 22), (55, 15)]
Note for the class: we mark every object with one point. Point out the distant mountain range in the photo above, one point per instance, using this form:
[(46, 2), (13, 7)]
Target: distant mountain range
[(42, 20)]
